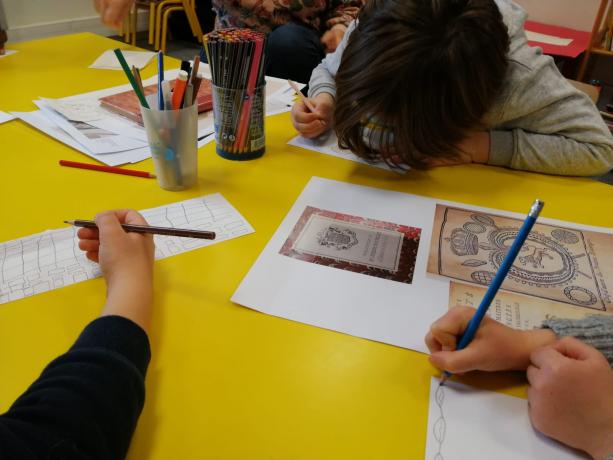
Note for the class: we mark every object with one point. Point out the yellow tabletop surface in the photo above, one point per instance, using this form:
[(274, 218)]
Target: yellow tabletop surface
[(226, 382)]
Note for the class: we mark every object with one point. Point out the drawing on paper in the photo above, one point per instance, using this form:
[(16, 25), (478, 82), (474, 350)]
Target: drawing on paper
[(440, 426), (559, 264), (367, 246), (52, 259)]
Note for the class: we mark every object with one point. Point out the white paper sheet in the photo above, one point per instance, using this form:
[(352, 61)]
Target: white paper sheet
[(96, 140), (4, 117), (327, 143), (52, 259), (277, 101), (8, 53), (288, 286), (469, 423), (37, 120), (356, 304), (549, 39), (108, 60)]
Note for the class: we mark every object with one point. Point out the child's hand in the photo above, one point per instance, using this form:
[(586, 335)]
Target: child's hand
[(333, 37), (113, 12), (495, 346), (571, 396), (312, 124), (126, 261)]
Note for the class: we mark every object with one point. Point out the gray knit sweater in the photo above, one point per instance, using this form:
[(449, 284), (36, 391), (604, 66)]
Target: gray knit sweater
[(596, 331), (539, 122)]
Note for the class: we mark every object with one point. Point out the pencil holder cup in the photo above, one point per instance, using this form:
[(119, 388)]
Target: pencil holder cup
[(239, 122), (173, 139)]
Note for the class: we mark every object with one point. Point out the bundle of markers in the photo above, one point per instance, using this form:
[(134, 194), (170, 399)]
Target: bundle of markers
[(186, 86), (237, 60), (185, 91)]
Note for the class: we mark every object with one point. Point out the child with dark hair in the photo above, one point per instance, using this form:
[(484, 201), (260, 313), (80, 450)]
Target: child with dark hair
[(423, 83)]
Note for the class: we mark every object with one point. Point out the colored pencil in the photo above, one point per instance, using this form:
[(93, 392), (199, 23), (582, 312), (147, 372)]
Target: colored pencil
[(160, 80), (137, 77), (237, 61), (168, 231), (304, 100), (195, 68), (505, 266), (109, 169), (131, 79)]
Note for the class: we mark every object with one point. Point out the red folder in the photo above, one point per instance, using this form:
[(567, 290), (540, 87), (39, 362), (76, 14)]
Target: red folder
[(579, 44)]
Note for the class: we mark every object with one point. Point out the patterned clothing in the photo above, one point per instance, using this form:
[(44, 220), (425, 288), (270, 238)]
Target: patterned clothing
[(266, 15)]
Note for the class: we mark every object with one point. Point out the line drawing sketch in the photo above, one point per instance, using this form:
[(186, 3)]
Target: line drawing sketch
[(555, 263), (52, 259), (440, 426), (467, 422)]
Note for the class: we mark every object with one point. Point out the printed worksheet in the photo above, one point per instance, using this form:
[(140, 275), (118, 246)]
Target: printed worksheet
[(468, 423), (327, 143), (518, 311), (52, 259), (351, 259), (367, 246), (556, 263)]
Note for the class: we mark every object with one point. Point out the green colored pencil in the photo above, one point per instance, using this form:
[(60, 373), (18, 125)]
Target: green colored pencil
[(126, 69)]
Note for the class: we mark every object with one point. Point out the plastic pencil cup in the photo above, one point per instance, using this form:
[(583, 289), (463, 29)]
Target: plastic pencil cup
[(173, 139), (239, 122)]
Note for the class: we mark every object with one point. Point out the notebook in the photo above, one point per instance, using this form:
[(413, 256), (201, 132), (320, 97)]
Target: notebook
[(127, 103)]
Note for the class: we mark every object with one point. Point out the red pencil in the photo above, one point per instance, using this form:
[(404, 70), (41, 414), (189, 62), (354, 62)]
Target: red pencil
[(109, 169)]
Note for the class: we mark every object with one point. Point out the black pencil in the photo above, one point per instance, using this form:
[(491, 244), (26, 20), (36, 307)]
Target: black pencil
[(168, 231)]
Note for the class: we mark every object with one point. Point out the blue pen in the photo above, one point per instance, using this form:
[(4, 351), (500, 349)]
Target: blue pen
[(160, 80), (475, 321)]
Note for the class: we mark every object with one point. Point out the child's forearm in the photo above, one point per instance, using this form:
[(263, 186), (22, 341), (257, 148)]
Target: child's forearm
[(132, 299)]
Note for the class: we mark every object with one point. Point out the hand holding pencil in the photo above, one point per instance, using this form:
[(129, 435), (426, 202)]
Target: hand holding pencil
[(313, 121)]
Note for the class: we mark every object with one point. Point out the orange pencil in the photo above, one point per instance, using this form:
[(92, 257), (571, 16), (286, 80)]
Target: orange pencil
[(179, 90)]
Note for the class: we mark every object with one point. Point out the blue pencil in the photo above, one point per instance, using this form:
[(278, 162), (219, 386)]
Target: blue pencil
[(475, 321), (160, 80)]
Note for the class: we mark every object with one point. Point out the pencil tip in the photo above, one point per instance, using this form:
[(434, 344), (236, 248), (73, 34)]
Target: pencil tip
[(69, 222)]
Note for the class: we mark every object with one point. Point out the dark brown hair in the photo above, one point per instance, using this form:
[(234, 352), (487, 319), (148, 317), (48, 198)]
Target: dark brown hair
[(427, 69)]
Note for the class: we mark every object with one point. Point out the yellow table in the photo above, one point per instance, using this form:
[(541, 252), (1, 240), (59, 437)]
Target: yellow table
[(226, 382)]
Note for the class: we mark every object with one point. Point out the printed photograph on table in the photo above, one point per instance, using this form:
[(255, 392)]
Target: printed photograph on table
[(555, 263), (367, 246)]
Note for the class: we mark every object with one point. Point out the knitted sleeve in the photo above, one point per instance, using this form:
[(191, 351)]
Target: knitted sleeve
[(596, 331)]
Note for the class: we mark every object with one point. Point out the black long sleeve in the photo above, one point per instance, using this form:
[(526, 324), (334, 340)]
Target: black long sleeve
[(86, 403)]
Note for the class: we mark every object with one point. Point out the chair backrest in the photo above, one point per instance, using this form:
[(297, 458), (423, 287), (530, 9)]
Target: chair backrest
[(575, 14)]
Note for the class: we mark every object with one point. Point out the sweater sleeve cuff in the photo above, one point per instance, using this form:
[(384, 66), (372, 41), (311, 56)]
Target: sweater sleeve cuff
[(322, 88), (501, 148), (119, 335), (596, 331)]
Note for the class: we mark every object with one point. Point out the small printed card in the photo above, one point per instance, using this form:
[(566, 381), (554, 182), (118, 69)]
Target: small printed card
[(367, 246)]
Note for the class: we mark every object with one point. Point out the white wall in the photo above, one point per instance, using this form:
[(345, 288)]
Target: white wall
[(31, 19), (576, 14)]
